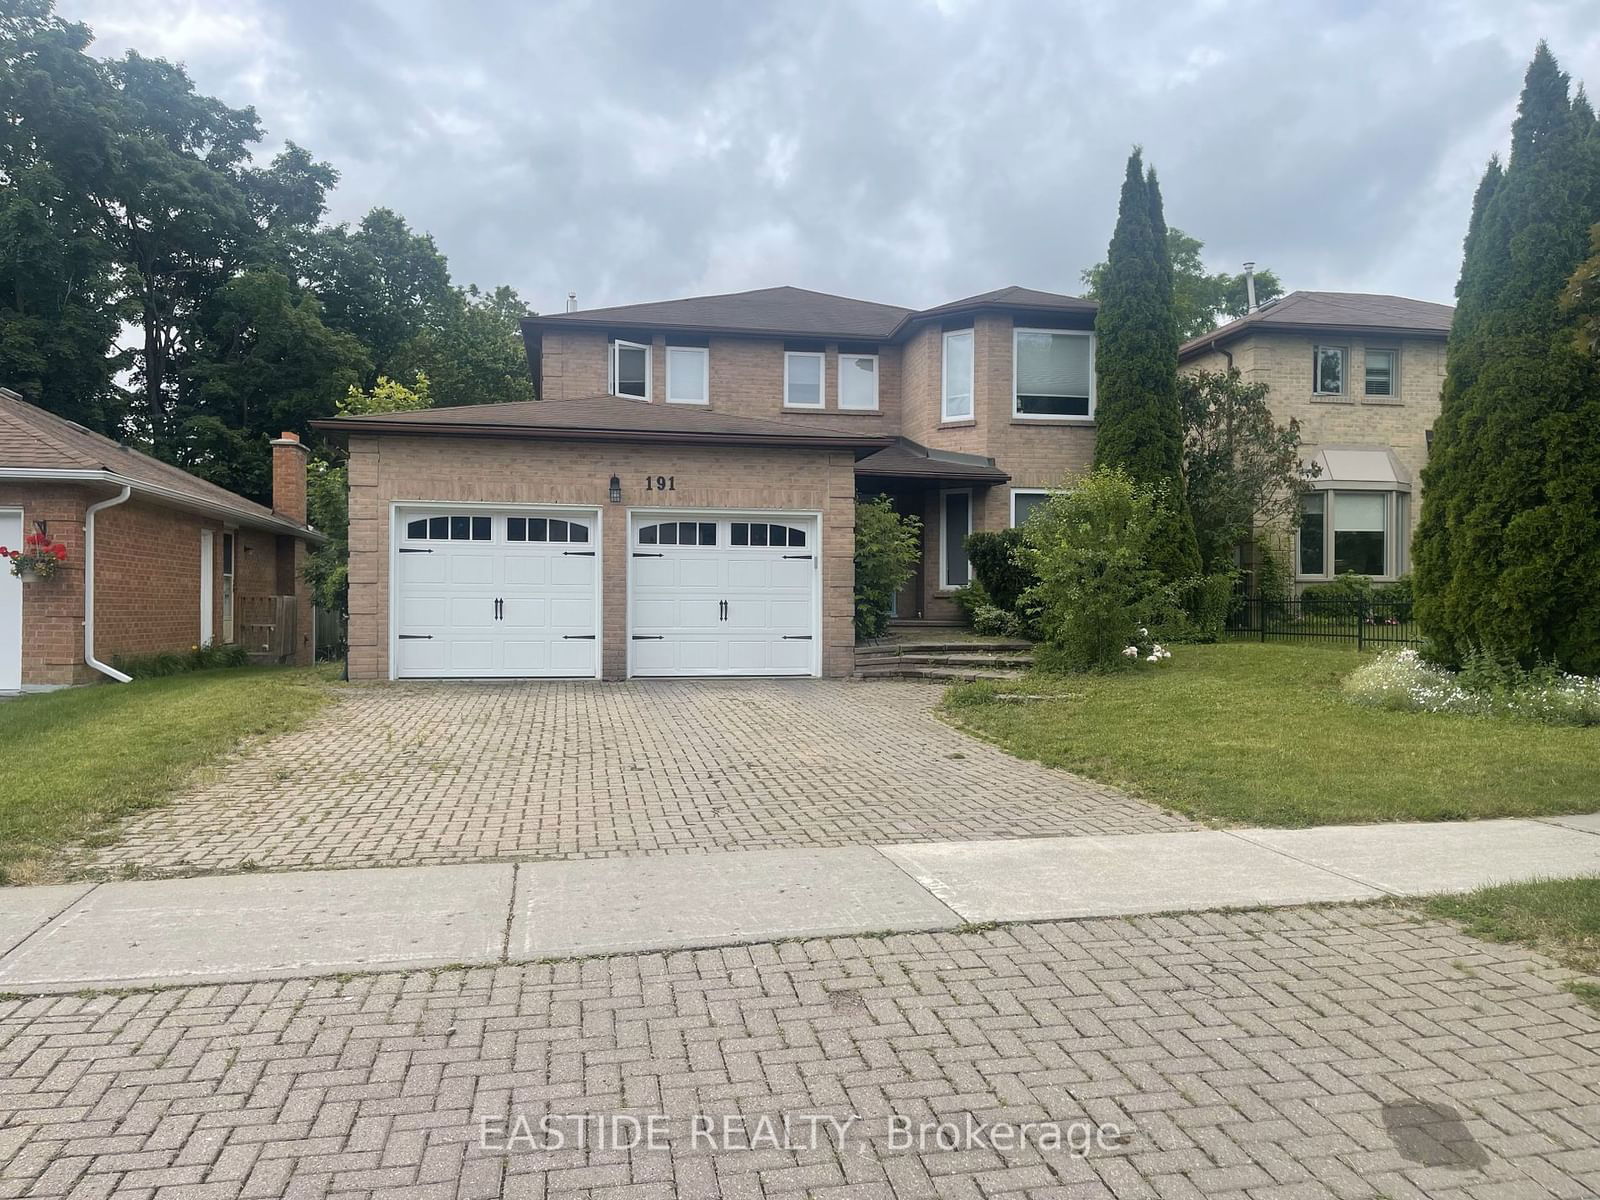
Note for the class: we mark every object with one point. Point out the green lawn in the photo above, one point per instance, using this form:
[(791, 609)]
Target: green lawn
[(1558, 917), (82, 758), (1257, 734)]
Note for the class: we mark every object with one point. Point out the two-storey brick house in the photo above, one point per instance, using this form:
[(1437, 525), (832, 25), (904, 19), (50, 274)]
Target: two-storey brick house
[(1361, 374), (681, 498)]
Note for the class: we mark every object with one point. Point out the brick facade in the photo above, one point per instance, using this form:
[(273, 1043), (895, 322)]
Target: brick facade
[(389, 469), (147, 580)]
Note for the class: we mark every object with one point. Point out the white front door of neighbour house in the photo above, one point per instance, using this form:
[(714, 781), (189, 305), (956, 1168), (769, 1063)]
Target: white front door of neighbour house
[(10, 605), (208, 587), (496, 594), (712, 594)]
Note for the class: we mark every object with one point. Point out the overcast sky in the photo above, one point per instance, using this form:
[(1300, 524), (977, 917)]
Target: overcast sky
[(905, 152)]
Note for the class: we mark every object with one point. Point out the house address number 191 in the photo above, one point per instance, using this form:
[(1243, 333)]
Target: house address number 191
[(660, 483)]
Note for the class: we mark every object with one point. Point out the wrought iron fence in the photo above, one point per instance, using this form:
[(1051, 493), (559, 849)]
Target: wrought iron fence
[(1360, 622)]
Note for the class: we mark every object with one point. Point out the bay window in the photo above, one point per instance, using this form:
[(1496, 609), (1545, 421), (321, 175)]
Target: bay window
[(1363, 532), (1053, 374), (955, 403), (630, 370)]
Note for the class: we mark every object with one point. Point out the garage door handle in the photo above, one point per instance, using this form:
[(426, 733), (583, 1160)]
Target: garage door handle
[(577, 637), (797, 637), (414, 550), (648, 637), (797, 556), (416, 637), (578, 553), (637, 554)]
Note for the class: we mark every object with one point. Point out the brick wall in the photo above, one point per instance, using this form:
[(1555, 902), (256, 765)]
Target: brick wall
[(52, 610), (387, 469)]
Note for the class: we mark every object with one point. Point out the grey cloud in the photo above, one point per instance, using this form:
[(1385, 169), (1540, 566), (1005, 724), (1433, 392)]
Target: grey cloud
[(908, 152)]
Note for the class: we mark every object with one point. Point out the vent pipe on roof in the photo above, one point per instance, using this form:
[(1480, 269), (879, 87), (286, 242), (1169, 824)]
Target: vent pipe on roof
[(1249, 287), (572, 301)]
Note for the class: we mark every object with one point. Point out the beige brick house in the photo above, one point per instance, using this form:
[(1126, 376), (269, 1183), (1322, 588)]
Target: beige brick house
[(157, 560), (1362, 375), (681, 499)]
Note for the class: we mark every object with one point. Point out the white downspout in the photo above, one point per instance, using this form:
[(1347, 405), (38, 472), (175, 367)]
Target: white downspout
[(88, 585)]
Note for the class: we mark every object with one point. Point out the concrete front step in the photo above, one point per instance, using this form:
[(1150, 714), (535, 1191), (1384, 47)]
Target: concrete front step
[(935, 674), (898, 649), (1008, 662)]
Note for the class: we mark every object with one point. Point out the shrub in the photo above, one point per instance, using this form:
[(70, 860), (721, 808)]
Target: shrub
[(172, 662), (1096, 587), (1212, 601), (1272, 574), (1486, 686), (888, 546), (998, 564), (1343, 590), (984, 615)]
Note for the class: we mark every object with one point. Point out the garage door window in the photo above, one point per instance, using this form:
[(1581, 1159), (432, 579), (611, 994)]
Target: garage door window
[(450, 529), (544, 529), (679, 533), (757, 533)]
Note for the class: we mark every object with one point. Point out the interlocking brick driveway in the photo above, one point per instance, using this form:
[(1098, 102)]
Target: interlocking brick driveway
[(1292, 1055), (430, 773)]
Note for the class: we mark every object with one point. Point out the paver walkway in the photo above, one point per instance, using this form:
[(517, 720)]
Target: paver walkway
[(452, 772), (1295, 1055)]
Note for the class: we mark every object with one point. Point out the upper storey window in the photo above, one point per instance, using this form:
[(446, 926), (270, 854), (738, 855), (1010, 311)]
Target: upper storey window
[(858, 382), (1053, 374), (630, 370), (1327, 370), (1381, 372), (955, 402), (802, 379), (688, 372)]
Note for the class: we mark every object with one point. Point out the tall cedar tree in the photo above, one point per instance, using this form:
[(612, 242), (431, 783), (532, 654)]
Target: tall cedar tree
[(1139, 427), (1507, 550)]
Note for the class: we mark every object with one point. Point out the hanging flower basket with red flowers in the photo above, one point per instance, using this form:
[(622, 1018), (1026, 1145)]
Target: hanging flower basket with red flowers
[(38, 558)]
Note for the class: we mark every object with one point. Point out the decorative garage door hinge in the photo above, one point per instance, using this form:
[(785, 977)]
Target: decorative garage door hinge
[(414, 550), (578, 553), (648, 637), (577, 637), (416, 637), (646, 554), (797, 556), (797, 637)]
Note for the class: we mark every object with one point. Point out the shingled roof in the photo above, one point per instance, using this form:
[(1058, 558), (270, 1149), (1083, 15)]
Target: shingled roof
[(797, 312), (38, 444), (603, 418), (911, 460), (1351, 312)]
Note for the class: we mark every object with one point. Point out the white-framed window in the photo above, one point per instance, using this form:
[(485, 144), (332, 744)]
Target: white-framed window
[(1052, 374), (1327, 370), (630, 370), (858, 382), (1360, 531), (228, 552), (802, 379), (1024, 501), (1382, 373), (688, 375), (955, 403), (955, 523)]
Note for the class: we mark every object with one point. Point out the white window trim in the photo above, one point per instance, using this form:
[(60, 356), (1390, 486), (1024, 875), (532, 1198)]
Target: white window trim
[(1344, 370), (822, 379), (649, 368), (944, 538), (1396, 548), (944, 376), (1015, 492), (1016, 412), (1394, 372), (839, 389), (705, 373)]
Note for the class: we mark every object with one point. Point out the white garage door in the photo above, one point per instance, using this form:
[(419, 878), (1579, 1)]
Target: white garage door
[(719, 595), (501, 594)]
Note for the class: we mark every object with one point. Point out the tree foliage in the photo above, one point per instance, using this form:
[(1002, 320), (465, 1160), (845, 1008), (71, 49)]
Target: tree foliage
[(1138, 426), (1201, 300), (1581, 297), (133, 210), (1241, 469), (1507, 550), (888, 545)]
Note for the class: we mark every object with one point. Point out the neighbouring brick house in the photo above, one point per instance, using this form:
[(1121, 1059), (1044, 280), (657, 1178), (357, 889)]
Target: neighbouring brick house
[(681, 499), (176, 562), (1362, 376)]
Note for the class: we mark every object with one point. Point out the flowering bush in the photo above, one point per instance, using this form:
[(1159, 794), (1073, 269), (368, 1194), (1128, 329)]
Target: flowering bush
[(1144, 648), (39, 556), (1404, 682)]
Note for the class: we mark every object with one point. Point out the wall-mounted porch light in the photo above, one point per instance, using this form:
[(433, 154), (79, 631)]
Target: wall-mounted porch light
[(616, 490)]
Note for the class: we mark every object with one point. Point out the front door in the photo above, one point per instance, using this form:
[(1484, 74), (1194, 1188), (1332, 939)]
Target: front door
[(10, 606), (208, 587)]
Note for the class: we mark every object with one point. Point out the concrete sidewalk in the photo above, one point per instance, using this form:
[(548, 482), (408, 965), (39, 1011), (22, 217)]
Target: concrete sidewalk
[(264, 926)]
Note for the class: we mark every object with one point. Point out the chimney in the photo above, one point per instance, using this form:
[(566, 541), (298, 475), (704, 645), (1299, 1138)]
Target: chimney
[(572, 301), (289, 477), (1249, 287)]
